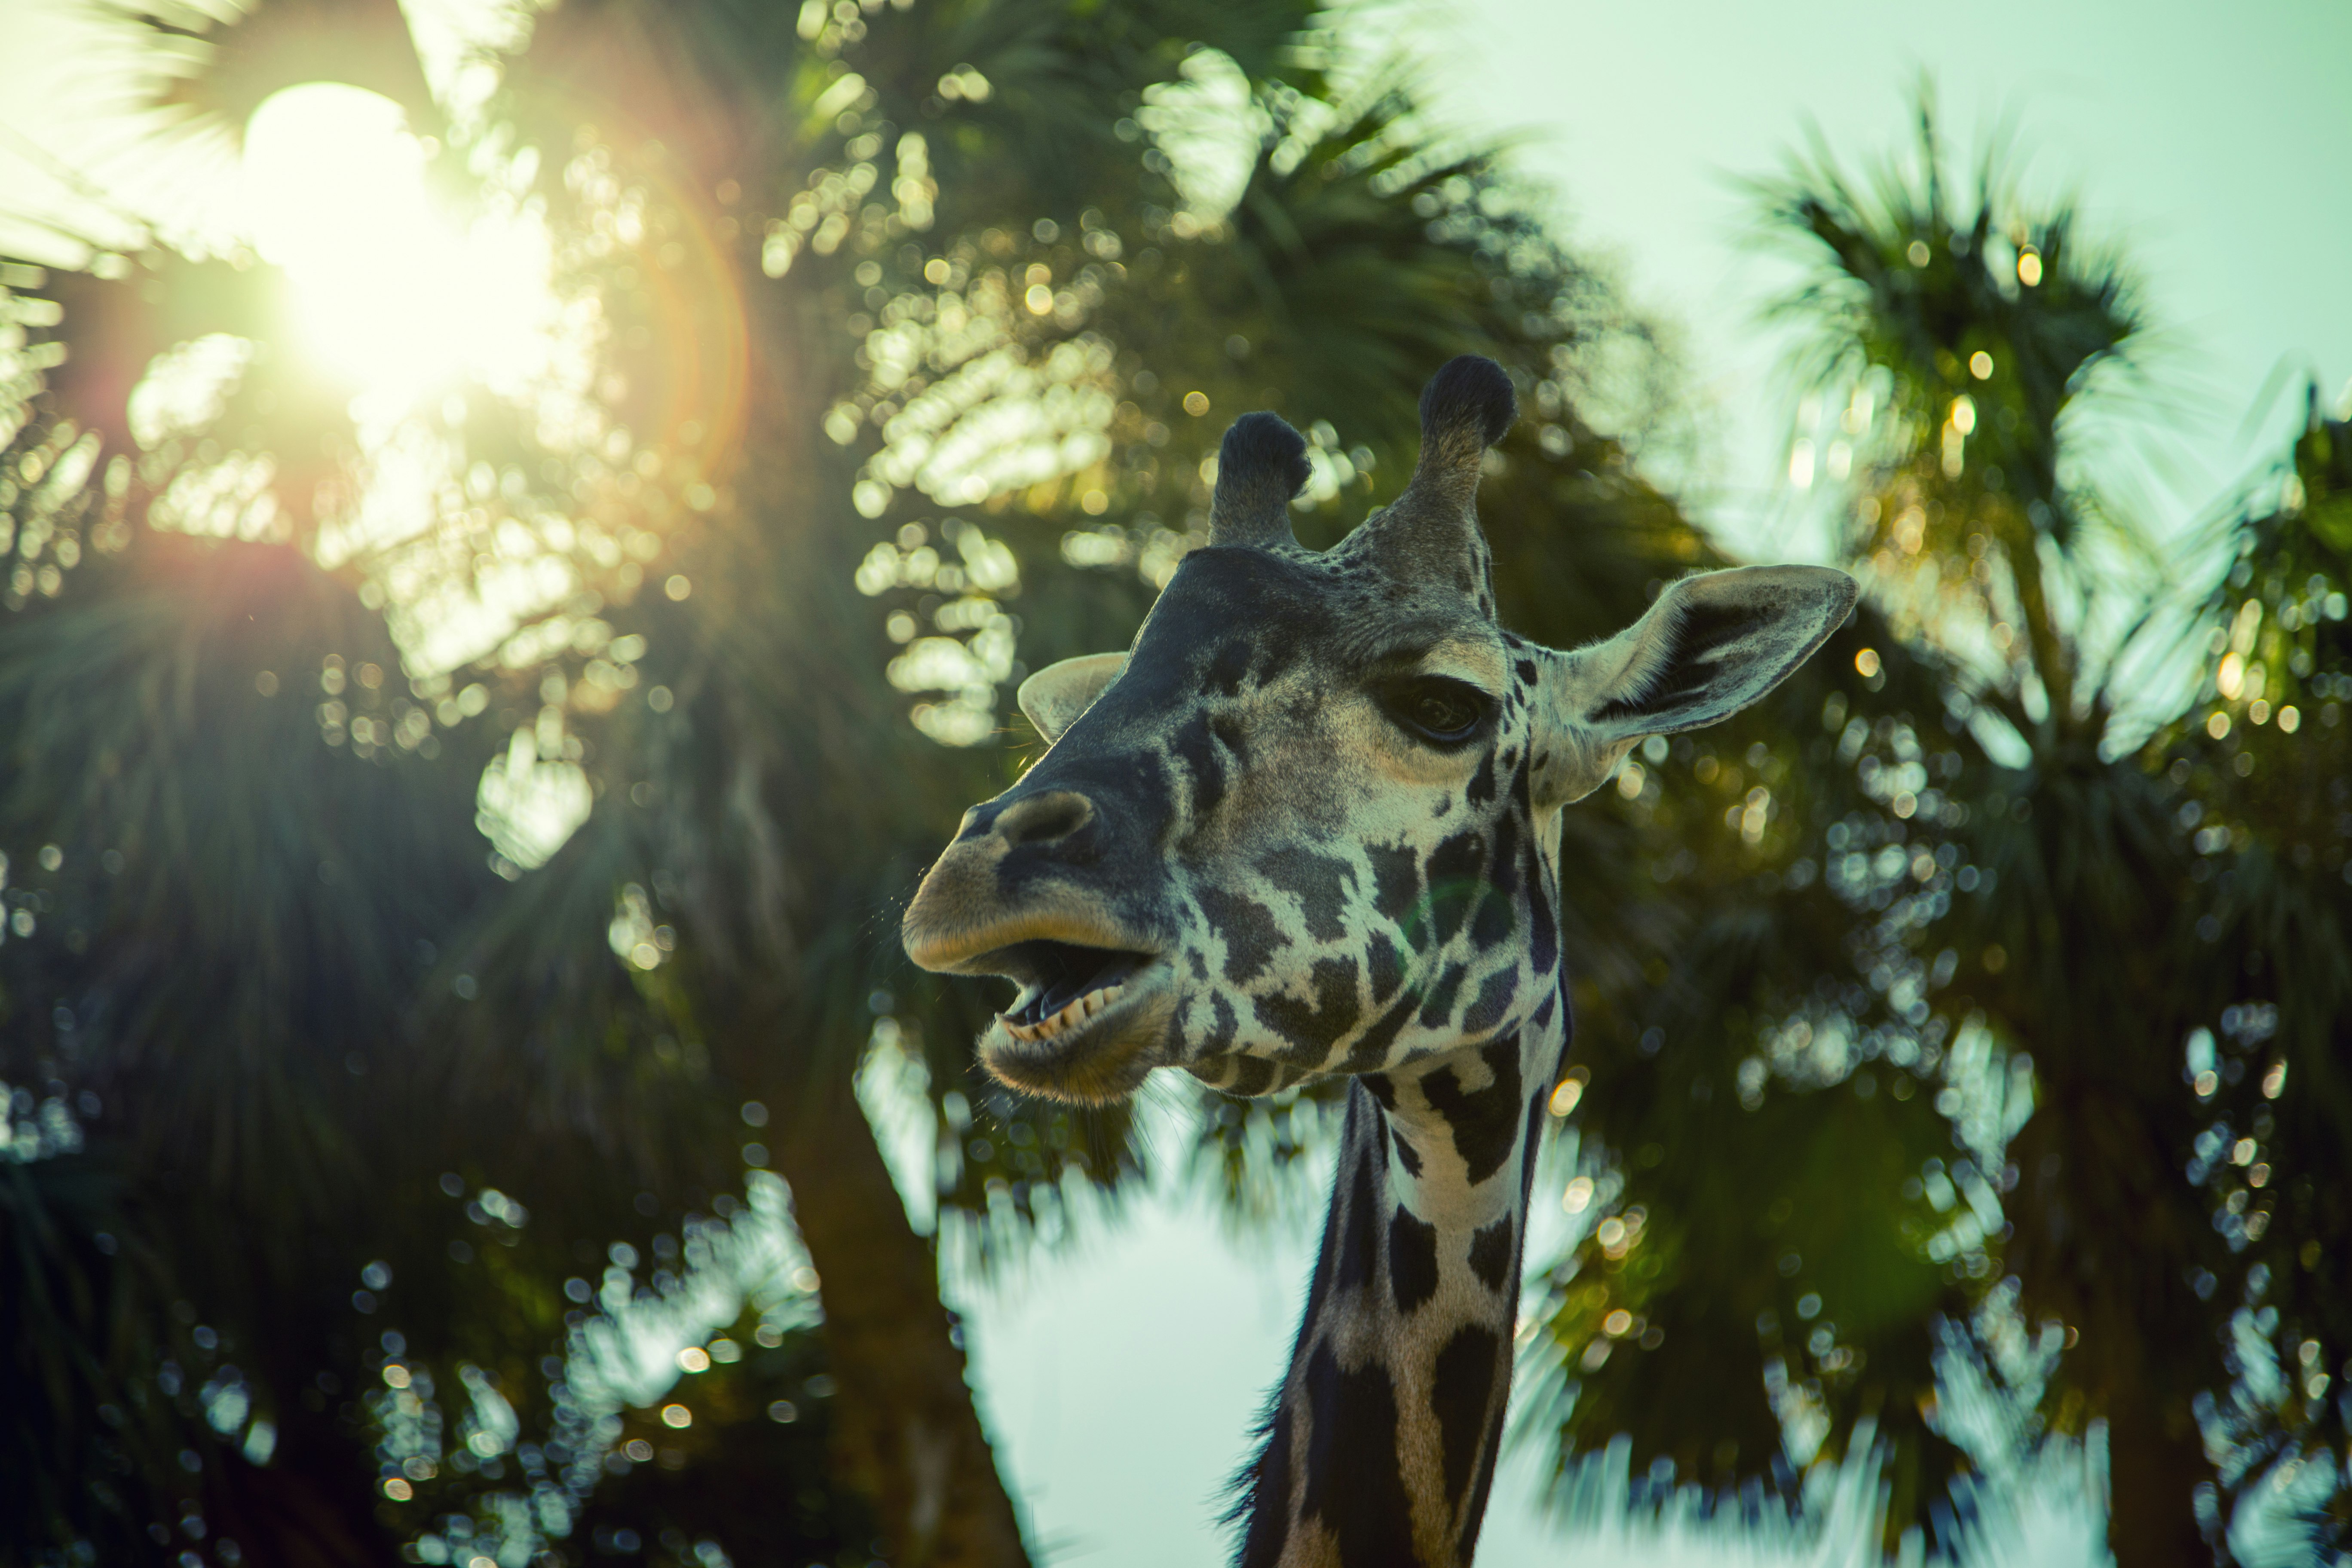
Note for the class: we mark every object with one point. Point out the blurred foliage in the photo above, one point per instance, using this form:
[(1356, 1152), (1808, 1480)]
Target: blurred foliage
[(2262, 760), (367, 1188), (373, 1191), (1989, 1009)]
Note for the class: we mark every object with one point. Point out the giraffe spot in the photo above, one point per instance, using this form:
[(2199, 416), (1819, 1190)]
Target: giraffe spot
[(1490, 1253), (1474, 1511), (1378, 1086), (1156, 784), (1543, 939), (1469, 1371), (1227, 669), (1264, 1499), (1494, 1001), (1496, 921), (1439, 1009), (1195, 752), (1251, 936), (1412, 1259), (1485, 1122), (1283, 1077), (1454, 882), (1407, 1155), (1360, 1234), (1526, 670), (1315, 1027), (1354, 1484), (1482, 783), (1534, 1144), (1217, 1074), (1252, 1075), (1222, 1025), (1384, 966), (1372, 1048), (1505, 855), (1321, 882), (1396, 879), (1544, 1008)]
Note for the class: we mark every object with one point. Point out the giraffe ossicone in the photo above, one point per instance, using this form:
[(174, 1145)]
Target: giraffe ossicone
[(1307, 826)]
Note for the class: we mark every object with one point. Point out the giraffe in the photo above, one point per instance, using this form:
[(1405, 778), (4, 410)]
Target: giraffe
[(1307, 826)]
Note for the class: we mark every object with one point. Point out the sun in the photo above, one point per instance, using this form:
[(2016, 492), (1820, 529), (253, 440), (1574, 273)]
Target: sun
[(404, 298), (390, 291)]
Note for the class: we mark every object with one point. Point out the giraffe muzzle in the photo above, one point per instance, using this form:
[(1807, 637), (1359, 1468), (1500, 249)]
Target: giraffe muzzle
[(1089, 1020), (1048, 861), (1023, 893)]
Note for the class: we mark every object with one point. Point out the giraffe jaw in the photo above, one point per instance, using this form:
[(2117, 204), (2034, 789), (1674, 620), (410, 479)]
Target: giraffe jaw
[(1096, 994), (1097, 1047)]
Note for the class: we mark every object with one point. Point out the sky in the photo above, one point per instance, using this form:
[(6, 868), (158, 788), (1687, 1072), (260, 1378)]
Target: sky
[(2212, 152), (1121, 1373)]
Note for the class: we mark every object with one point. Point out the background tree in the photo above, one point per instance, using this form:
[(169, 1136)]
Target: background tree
[(430, 1122), (366, 1197), (1975, 888), (2261, 757)]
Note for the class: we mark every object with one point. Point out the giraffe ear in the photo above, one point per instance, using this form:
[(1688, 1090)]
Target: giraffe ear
[(1709, 647), (1057, 694)]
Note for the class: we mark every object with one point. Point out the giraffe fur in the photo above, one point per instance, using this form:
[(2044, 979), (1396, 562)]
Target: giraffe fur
[(1307, 826)]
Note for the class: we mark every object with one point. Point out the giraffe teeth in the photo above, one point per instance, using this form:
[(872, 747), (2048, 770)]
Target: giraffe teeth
[(1073, 1013)]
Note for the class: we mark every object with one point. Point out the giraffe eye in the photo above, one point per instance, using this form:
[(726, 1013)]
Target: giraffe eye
[(1435, 709)]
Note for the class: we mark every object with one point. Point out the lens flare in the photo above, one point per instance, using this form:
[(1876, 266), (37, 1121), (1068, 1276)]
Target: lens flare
[(390, 292)]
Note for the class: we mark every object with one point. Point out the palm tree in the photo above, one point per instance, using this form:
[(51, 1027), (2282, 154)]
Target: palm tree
[(1994, 340), (1959, 935), (2261, 756), (427, 1114)]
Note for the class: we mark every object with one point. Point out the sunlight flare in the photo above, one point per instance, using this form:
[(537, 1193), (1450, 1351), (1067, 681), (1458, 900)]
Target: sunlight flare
[(389, 290)]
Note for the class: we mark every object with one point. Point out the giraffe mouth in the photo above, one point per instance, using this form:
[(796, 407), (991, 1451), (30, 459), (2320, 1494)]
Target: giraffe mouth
[(1062, 985), (1085, 1024)]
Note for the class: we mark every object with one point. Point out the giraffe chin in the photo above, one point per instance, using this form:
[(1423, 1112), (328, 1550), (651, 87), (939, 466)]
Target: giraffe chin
[(1096, 1059)]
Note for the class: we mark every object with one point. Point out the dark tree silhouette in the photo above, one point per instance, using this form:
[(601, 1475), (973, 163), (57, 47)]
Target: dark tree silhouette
[(1958, 977), (389, 1152)]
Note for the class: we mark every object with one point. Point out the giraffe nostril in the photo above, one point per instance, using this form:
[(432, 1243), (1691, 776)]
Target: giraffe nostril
[(1044, 819)]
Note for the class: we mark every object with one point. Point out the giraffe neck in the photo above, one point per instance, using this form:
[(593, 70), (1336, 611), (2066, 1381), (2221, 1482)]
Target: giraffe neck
[(1381, 1441)]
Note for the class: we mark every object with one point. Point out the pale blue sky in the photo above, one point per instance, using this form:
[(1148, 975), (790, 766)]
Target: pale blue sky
[(2207, 141), (1119, 1375)]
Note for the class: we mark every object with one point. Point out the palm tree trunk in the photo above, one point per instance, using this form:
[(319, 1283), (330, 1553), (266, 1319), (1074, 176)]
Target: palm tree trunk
[(906, 1434), (2155, 1462), (2043, 640)]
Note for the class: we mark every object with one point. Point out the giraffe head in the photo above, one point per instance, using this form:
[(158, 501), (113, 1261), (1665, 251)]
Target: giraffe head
[(1305, 825)]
